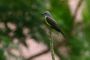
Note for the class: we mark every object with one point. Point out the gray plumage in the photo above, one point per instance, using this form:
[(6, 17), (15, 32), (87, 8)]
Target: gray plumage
[(52, 23)]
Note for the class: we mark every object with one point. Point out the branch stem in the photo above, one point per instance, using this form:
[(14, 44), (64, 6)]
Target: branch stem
[(52, 46)]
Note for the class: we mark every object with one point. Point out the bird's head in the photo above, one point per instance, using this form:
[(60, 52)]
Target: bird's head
[(47, 13)]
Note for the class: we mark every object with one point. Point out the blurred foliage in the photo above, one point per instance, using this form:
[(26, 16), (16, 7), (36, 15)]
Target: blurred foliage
[(2, 57), (27, 14)]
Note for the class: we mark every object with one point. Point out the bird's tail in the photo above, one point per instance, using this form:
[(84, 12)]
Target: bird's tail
[(62, 33)]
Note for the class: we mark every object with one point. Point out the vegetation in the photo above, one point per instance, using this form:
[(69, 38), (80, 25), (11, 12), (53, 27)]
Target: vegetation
[(27, 14)]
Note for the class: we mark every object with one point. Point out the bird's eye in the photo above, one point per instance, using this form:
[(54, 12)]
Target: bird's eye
[(44, 13)]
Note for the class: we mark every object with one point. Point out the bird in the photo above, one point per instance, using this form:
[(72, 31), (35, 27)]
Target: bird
[(51, 22)]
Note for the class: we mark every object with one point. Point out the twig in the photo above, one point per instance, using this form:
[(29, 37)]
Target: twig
[(75, 15), (77, 8), (52, 46), (45, 51), (39, 54)]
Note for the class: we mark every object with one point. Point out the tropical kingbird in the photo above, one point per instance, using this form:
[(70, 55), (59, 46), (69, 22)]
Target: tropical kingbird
[(51, 22)]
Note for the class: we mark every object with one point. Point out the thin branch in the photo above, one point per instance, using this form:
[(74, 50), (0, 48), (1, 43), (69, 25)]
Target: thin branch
[(75, 15), (39, 54), (77, 8), (52, 46), (45, 51)]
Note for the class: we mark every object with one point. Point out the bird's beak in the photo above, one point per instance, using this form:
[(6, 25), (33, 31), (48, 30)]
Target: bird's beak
[(42, 14)]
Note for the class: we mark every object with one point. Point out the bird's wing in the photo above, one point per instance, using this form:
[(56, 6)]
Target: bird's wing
[(53, 24), (50, 21)]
